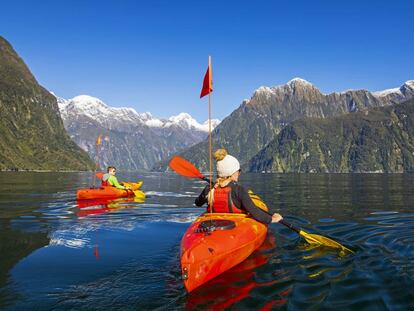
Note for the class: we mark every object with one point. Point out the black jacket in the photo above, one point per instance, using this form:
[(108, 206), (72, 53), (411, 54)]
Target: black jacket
[(241, 199)]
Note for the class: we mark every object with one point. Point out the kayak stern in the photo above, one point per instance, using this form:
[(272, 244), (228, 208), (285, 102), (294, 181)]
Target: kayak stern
[(206, 254)]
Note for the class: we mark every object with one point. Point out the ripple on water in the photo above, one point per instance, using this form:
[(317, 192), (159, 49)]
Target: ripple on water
[(139, 245), (170, 194), (327, 220)]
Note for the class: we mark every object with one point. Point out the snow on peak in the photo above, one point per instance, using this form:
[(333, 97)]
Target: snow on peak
[(387, 92), (289, 86), (182, 117), (410, 84), (297, 80), (214, 123), (292, 83), (397, 91), (150, 121), (187, 121), (264, 89), (87, 100), (146, 116), (97, 110)]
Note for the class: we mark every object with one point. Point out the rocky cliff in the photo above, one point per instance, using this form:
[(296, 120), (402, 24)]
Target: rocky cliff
[(32, 135), (377, 140)]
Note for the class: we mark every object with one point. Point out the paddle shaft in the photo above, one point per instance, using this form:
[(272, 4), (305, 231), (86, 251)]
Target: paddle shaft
[(290, 226)]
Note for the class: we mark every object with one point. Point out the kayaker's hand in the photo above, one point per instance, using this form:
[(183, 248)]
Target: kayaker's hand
[(276, 217)]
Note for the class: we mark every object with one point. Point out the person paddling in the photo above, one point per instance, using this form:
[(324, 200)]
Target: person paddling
[(228, 196), (109, 179)]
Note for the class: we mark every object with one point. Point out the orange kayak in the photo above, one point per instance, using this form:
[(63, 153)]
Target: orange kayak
[(109, 192), (216, 242)]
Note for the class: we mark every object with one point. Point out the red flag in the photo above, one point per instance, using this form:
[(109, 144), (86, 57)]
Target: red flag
[(208, 81)]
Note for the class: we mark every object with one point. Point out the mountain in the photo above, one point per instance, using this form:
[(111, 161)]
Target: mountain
[(260, 119), (131, 140), (32, 135), (375, 140), (397, 94)]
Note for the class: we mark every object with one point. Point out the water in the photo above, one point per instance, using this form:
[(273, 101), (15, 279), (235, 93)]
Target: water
[(55, 256)]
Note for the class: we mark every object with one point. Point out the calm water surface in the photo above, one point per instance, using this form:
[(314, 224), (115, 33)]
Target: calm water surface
[(57, 256)]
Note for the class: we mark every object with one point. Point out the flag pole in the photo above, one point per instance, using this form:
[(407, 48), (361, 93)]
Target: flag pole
[(209, 133), (98, 142), (94, 169)]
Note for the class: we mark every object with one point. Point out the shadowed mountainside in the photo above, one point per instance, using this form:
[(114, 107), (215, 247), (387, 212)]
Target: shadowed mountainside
[(32, 135)]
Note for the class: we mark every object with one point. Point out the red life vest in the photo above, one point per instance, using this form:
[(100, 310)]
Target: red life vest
[(222, 202), (105, 178)]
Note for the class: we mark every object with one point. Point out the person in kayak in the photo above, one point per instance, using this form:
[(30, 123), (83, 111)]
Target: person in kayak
[(228, 196), (109, 179)]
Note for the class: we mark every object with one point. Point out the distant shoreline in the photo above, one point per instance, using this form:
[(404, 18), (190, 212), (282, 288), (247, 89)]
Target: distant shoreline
[(62, 171), (41, 171), (281, 173)]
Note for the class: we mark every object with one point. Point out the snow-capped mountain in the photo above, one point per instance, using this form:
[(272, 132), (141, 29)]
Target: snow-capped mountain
[(132, 140), (186, 121), (296, 87), (259, 120), (107, 116), (399, 93)]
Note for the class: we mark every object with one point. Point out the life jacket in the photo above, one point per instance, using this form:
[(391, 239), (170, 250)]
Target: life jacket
[(105, 182), (222, 202)]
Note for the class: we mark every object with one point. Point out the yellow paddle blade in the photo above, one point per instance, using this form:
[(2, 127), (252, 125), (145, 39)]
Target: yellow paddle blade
[(139, 195), (324, 241), (133, 185)]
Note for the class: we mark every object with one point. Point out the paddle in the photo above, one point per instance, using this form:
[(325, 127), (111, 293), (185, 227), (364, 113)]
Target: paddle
[(137, 193), (184, 168)]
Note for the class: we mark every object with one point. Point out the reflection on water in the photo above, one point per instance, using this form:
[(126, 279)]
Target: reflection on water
[(124, 254), (99, 206), (237, 284)]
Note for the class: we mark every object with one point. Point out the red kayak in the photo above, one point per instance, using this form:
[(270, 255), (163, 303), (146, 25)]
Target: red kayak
[(235, 284), (109, 192), (216, 242)]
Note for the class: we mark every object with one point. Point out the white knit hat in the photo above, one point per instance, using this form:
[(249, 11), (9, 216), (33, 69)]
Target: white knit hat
[(228, 166)]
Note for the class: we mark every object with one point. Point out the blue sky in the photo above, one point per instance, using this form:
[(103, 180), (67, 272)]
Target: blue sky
[(152, 55)]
